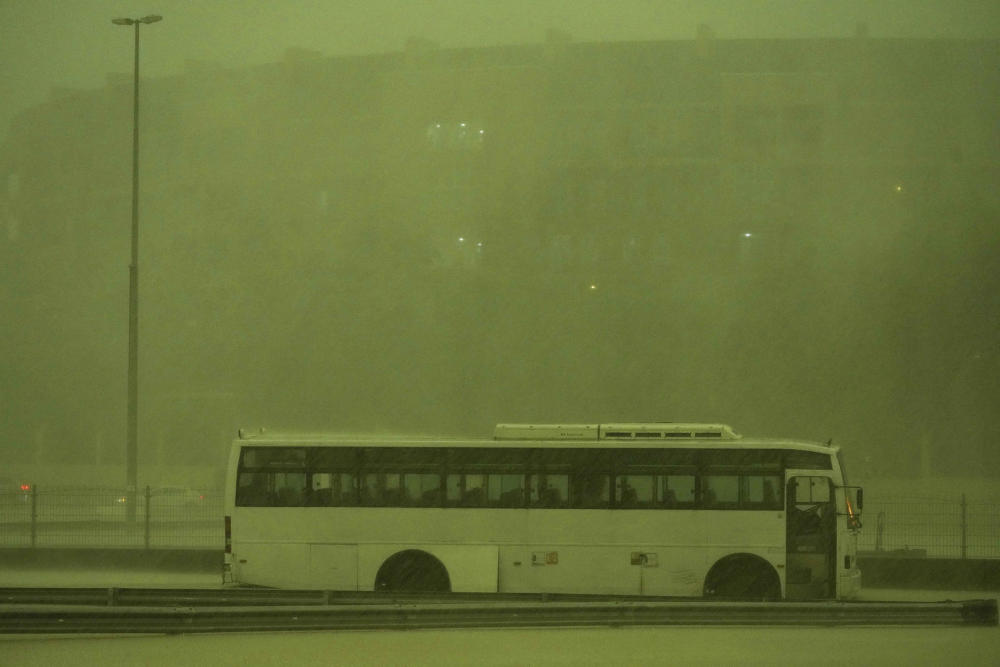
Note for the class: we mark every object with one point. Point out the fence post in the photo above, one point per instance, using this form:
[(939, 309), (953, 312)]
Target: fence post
[(34, 515), (964, 526), (146, 530)]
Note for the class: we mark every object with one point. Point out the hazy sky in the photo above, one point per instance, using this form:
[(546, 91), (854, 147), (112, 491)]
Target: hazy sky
[(72, 43)]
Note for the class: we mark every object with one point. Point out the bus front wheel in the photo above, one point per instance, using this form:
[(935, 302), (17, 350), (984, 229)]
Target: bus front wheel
[(412, 570), (743, 577)]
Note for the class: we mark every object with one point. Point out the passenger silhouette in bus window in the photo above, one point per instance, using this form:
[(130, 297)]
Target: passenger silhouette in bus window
[(346, 491), (551, 497), (810, 507), (636, 490), (474, 497), (322, 490), (720, 491), (290, 489), (504, 490), (547, 490), (369, 489), (423, 489), (591, 491), (677, 490), (770, 496), (430, 498), (393, 494)]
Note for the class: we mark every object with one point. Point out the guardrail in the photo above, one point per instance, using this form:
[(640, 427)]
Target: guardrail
[(65, 613)]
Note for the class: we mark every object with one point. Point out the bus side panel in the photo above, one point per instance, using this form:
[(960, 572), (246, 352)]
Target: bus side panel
[(333, 566), (471, 568), (270, 564), (560, 568), (638, 569)]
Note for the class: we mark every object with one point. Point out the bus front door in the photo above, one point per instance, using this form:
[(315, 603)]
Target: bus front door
[(811, 544)]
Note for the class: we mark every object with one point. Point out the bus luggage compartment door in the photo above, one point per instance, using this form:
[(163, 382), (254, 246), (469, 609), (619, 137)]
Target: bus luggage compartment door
[(334, 566)]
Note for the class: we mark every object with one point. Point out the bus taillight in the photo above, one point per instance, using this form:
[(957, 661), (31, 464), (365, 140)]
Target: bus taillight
[(229, 535)]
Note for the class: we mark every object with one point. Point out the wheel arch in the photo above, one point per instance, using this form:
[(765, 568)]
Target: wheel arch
[(743, 575), (412, 570)]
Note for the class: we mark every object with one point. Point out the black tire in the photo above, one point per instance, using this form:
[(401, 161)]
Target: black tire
[(743, 577), (412, 570)]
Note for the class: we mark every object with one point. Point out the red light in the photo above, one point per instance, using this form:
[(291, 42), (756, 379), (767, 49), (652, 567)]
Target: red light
[(26, 487), (201, 497)]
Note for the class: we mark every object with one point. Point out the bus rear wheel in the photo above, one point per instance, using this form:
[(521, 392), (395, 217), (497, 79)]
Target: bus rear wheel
[(743, 577), (412, 570)]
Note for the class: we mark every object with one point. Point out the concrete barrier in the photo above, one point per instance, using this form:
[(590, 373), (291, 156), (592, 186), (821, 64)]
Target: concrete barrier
[(912, 569), (168, 560)]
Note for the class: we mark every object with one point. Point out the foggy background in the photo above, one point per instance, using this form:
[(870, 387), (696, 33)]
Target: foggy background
[(377, 216)]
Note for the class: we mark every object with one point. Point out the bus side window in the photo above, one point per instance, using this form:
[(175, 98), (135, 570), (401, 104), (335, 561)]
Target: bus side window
[(289, 489), (252, 490), (590, 490), (393, 492), (548, 490), (422, 489), (720, 491), (322, 490), (635, 491), (505, 490), (760, 492), (466, 490), (383, 489), (676, 490), (332, 489), (627, 494), (474, 493), (345, 492), (369, 489)]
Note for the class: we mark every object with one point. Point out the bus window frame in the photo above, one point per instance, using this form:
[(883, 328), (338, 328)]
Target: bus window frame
[(575, 470)]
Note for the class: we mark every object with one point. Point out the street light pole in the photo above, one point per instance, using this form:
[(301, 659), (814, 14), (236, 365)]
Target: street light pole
[(132, 437)]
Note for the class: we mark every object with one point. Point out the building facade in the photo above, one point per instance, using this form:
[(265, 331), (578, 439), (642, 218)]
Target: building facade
[(756, 231)]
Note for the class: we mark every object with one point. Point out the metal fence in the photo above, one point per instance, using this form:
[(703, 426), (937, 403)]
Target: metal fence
[(939, 527), (151, 517), (169, 517)]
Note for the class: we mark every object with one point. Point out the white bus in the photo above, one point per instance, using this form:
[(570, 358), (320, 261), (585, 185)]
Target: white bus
[(629, 509)]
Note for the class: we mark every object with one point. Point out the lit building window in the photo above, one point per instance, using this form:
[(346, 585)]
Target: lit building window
[(455, 135)]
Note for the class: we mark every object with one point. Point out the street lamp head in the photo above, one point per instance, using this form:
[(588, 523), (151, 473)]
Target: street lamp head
[(152, 18)]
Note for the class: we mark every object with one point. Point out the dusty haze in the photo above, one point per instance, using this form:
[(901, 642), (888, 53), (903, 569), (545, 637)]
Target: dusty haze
[(378, 217)]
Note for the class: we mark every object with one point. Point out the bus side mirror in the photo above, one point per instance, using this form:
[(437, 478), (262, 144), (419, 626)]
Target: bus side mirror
[(861, 499)]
